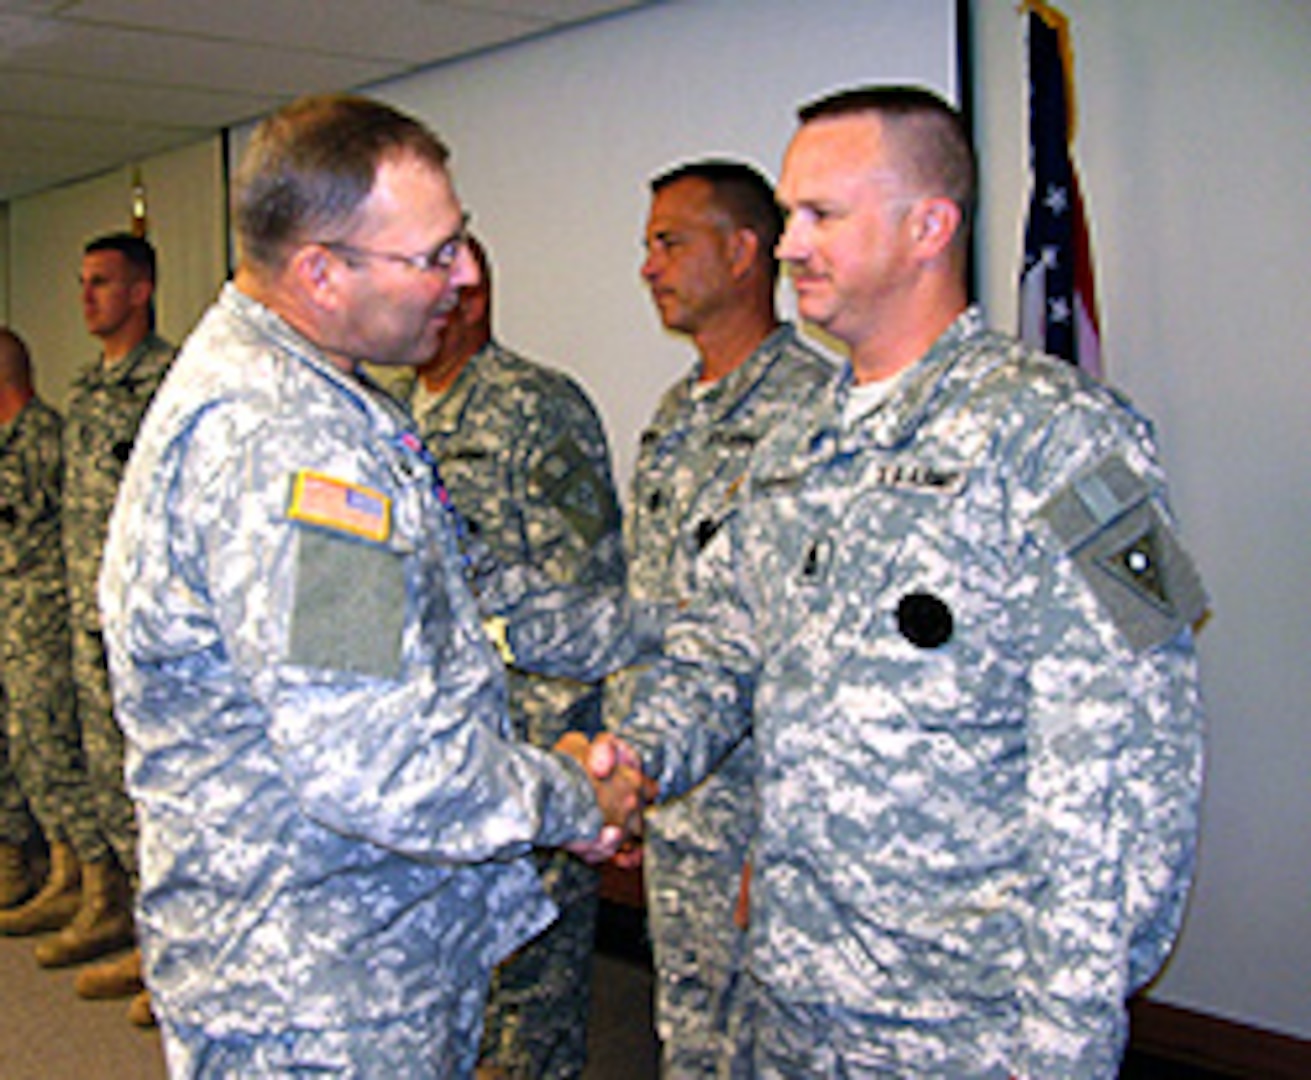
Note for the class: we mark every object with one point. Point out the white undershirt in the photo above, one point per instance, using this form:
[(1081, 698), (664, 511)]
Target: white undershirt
[(864, 398)]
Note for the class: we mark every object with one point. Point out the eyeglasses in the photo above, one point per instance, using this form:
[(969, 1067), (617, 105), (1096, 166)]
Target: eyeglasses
[(438, 260)]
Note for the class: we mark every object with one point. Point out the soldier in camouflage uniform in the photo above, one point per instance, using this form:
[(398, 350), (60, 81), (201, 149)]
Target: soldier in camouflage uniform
[(953, 612), (525, 459), (336, 818), (41, 763), (105, 409), (710, 266)]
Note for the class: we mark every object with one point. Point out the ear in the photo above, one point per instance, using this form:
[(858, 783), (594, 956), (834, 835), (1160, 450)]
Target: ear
[(141, 290), (316, 275), (934, 223), (743, 247)]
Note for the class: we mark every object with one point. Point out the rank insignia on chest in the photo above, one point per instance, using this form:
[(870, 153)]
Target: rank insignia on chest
[(815, 559), (330, 503)]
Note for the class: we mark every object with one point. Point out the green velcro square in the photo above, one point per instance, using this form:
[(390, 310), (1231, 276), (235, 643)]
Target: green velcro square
[(349, 605)]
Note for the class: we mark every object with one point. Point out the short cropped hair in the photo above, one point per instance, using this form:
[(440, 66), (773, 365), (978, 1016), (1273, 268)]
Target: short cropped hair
[(310, 165), (136, 250), (742, 192), (929, 133)]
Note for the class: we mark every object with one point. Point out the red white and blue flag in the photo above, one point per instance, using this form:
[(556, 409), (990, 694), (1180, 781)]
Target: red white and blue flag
[(1058, 296)]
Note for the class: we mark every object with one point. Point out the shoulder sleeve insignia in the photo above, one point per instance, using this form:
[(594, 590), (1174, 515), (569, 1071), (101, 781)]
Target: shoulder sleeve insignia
[(1127, 553), (570, 483), (317, 499)]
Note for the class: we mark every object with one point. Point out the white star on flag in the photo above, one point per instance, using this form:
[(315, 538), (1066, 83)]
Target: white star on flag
[(1058, 297)]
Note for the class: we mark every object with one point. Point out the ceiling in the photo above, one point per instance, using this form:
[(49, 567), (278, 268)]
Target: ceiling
[(91, 85)]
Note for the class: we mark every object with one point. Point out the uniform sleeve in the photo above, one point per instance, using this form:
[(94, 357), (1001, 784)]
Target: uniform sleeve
[(693, 707), (1115, 754), (43, 469), (569, 631), (562, 610), (571, 517), (385, 713)]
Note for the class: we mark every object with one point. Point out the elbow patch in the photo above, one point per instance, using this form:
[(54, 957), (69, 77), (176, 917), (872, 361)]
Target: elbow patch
[(1126, 553)]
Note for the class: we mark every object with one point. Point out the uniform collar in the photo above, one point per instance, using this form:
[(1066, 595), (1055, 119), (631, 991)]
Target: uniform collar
[(359, 387), (728, 393), (894, 422), (446, 410), (122, 372)]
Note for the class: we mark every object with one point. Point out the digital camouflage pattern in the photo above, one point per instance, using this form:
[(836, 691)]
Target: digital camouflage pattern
[(105, 409), (524, 456), (335, 816), (41, 768), (978, 776), (691, 463)]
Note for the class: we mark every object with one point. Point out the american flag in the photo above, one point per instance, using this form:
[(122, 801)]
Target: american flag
[(1058, 297), (336, 504)]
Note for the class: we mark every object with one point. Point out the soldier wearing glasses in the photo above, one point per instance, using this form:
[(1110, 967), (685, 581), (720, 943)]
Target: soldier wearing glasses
[(335, 817)]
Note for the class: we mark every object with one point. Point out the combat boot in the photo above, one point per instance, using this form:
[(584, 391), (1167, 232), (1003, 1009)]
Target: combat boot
[(117, 978), (15, 881), (55, 903), (103, 923), (139, 1011)]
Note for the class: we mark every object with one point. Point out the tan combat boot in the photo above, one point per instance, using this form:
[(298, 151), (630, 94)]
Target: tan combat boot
[(15, 881), (55, 904), (117, 978), (139, 1011), (103, 923)]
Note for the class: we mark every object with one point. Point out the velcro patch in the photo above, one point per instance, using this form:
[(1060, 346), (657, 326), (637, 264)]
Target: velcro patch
[(318, 499), (349, 608)]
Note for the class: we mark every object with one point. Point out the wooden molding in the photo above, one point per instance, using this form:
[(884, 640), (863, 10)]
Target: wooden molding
[(1219, 1045)]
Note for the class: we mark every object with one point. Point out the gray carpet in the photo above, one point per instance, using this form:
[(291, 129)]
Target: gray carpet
[(49, 1033)]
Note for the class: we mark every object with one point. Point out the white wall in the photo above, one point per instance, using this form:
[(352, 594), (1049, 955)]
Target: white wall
[(554, 143), (4, 264), (47, 232), (1196, 164)]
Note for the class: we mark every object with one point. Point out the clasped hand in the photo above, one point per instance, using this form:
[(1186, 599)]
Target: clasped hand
[(622, 793)]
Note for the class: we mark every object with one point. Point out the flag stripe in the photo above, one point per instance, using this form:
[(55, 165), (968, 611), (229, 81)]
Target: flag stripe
[(1058, 297)]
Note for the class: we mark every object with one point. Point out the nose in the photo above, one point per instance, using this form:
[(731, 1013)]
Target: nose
[(464, 271), (791, 246), (649, 268)]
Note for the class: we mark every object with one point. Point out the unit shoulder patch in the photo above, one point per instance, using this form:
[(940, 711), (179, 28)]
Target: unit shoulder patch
[(570, 483), (1127, 553)]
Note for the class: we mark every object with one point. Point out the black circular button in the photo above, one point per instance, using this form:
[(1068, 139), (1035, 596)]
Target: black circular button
[(924, 620)]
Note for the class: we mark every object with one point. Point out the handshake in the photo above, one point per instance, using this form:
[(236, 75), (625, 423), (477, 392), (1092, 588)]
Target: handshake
[(622, 793)]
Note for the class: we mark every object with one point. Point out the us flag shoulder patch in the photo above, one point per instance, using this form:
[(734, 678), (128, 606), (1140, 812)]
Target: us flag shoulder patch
[(317, 499)]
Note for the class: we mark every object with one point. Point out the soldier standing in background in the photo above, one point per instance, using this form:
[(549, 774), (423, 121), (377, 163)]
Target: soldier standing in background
[(524, 456), (107, 404), (42, 761), (710, 266)]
